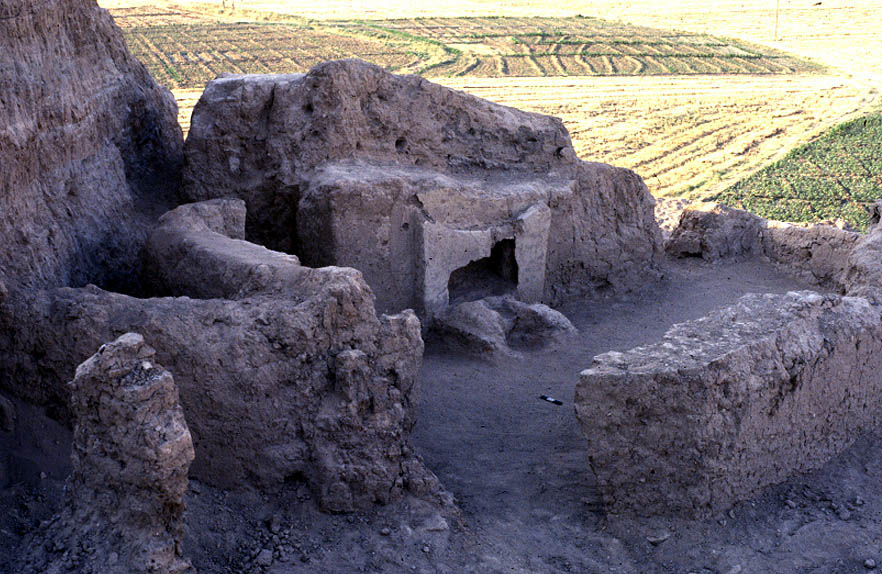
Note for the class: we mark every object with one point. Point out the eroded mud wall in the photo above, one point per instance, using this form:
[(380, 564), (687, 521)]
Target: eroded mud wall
[(90, 148)]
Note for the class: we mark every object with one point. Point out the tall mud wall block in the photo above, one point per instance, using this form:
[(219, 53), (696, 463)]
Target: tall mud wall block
[(131, 453), (407, 180)]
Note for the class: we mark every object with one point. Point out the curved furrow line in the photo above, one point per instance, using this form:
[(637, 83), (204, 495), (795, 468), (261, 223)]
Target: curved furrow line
[(749, 64), (556, 60), (470, 67), (738, 66), (667, 150), (584, 63), (540, 70), (640, 65), (663, 69), (714, 64)]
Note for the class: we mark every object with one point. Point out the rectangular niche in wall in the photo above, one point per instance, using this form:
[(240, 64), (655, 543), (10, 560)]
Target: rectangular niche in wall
[(497, 258), (493, 275)]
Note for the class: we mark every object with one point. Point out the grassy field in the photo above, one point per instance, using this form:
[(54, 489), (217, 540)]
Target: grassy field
[(836, 176), (684, 104), (844, 34), (576, 46)]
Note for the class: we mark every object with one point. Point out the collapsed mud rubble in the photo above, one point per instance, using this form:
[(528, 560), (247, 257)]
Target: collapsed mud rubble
[(284, 267), (491, 325)]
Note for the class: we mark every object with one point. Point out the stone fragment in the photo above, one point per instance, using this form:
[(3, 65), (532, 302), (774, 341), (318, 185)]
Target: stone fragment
[(264, 557), (473, 327), (131, 453), (436, 523), (727, 404), (656, 539), (532, 325), (495, 326)]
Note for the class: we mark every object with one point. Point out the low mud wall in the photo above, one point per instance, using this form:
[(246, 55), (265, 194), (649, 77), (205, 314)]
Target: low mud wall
[(728, 404)]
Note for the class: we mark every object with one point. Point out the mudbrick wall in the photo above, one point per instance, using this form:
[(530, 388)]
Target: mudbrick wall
[(288, 372), (407, 181), (843, 261), (818, 253), (750, 394), (726, 405), (289, 375), (132, 449)]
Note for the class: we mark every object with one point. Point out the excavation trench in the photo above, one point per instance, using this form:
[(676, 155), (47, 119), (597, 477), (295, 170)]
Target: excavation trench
[(511, 459)]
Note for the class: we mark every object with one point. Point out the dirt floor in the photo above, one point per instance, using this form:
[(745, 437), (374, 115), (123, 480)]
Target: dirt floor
[(518, 469)]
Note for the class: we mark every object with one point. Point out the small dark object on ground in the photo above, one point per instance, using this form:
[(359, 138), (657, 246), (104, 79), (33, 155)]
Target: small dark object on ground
[(550, 400)]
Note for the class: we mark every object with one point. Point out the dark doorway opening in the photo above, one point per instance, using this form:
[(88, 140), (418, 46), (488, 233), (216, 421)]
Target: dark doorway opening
[(493, 275)]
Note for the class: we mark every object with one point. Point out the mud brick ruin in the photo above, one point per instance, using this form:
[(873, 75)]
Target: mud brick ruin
[(726, 405), (285, 264), (411, 183)]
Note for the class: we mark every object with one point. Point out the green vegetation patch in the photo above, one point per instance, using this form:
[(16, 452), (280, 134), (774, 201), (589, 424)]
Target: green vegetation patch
[(836, 176)]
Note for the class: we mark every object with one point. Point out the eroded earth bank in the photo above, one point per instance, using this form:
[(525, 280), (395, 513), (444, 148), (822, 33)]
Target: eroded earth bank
[(360, 322)]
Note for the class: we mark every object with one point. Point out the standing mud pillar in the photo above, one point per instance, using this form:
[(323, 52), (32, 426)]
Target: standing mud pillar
[(131, 454)]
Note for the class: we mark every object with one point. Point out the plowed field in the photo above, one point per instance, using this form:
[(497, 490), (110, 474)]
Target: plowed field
[(672, 95), (683, 135)]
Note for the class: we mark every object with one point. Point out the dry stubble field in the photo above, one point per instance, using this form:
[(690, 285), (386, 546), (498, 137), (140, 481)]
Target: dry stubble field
[(683, 135), (703, 112)]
